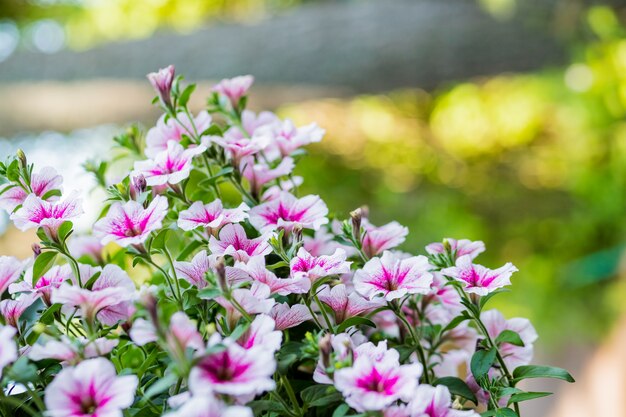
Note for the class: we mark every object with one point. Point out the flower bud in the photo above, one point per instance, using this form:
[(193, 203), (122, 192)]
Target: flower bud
[(138, 185), (297, 233), (357, 217), (220, 270), (36, 250), (162, 83), (325, 348), (21, 156)]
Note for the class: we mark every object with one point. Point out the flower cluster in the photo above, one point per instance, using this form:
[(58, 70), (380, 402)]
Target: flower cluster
[(246, 298)]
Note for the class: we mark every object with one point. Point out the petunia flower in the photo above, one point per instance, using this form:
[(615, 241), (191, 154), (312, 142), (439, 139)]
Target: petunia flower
[(262, 334), (209, 406), (252, 125), (314, 267), (8, 347), (91, 389), (70, 352), (342, 350), (238, 148), (195, 271), (371, 385), (211, 216), (376, 240), (445, 295), (162, 81), (393, 277), (259, 174), (513, 355), (170, 166), (53, 278), (234, 242), (41, 183), (233, 371), (256, 269), (234, 88), (287, 211), (254, 300), (36, 212), (323, 243), (286, 316), (289, 184), (287, 138), (345, 304), (458, 248), (173, 130), (477, 279), (114, 277), (86, 245), (129, 223), (10, 270), (436, 401), (12, 310)]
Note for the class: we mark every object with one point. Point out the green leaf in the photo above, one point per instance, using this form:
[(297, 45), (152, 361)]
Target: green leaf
[(505, 412), (161, 386), (158, 243), (48, 316), (535, 371), (355, 321), (486, 298), (184, 96), (23, 371), (209, 293), (458, 387), (511, 337), (525, 396), (341, 411), (260, 406), (314, 392), (327, 400), (455, 322), (51, 193), (488, 413), (43, 263), (188, 250), (481, 362)]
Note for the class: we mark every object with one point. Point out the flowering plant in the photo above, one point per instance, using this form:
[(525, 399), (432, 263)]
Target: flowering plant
[(254, 300)]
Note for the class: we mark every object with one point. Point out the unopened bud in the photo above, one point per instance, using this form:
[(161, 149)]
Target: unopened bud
[(297, 233), (357, 218), (162, 83), (446, 246), (138, 185), (325, 350), (220, 270), (36, 249), (21, 156)]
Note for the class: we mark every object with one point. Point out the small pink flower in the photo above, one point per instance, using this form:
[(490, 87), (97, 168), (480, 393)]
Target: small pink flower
[(376, 240), (170, 166), (477, 279), (252, 124), (12, 310), (254, 300), (255, 268), (53, 278), (91, 389), (195, 271), (8, 348), (10, 270), (36, 212), (239, 147), (514, 356), (287, 138), (129, 223), (315, 267), (162, 81), (274, 191), (343, 350), (261, 334), (143, 332), (234, 371), (173, 130), (85, 245), (346, 304), (286, 211), (259, 174), (444, 294), (41, 183), (234, 88), (113, 277), (322, 243), (182, 335), (211, 216), (234, 242), (393, 277), (209, 406), (68, 352), (371, 385), (432, 401), (459, 248), (287, 317)]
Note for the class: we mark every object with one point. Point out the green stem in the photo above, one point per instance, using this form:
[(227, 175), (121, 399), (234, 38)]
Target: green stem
[(418, 346), (291, 394)]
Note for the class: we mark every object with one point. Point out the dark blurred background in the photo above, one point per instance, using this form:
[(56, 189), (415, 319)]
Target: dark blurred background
[(498, 120)]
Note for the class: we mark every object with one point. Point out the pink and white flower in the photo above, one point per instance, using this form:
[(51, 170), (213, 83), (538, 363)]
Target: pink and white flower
[(513, 355), (234, 88), (286, 316), (287, 138), (252, 124), (86, 246), (41, 183), (12, 310), (53, 278), (238, 147), (262, 334), (36, 212), (129, 223), (430, 401), (371, 385), (8, 347), (314, 267), (10, 270), (113, 277), (287, 211), (211, 216), (458, 248), (322, 243), (72, 352), (162, 81), (376, 240), (195, 271), (393, 277), (254, 300), (170, 166), (259, 174), (256, 269), (234, 371), (477, 279), (91, 389), (209, 406), (234, 242), (158, 137), (346, 304)]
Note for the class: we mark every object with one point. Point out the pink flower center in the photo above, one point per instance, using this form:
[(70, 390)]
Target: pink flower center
[(377, 382)]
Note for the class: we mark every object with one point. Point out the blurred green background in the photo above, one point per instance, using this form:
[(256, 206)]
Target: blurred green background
[(522, 147)]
